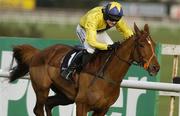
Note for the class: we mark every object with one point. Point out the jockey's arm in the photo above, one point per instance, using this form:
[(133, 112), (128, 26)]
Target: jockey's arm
[(91, 35), (122, 26)]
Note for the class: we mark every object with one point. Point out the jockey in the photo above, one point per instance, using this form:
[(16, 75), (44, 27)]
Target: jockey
[(92, 32)]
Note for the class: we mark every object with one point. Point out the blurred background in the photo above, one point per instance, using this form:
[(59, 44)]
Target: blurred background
[(57, 19), (30, 18)]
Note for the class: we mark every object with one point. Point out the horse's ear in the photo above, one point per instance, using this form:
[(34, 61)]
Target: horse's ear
[(136, 29), (146, 28)]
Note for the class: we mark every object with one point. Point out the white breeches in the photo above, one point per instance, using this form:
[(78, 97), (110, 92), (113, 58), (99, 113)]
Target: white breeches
[(102, 37)]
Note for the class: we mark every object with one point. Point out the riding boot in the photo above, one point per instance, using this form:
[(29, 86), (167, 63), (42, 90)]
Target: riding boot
[(86, 58), (75, 63)]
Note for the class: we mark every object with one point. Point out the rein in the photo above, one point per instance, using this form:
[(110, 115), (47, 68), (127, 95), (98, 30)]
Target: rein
[(100, 73), (101, 70), (128, 62), (145, 65)]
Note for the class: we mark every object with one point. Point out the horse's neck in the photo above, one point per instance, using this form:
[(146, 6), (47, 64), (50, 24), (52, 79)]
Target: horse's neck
[(120, 63), (114, 68), (126, 50)]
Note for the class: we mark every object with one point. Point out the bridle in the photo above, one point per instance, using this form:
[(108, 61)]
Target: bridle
[(142, 61), (145, 62)]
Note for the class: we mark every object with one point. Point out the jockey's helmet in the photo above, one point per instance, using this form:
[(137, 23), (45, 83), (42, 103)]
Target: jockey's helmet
[(113, 11)]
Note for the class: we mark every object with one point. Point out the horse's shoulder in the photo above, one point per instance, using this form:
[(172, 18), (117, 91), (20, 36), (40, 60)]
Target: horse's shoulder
[(97, 62)]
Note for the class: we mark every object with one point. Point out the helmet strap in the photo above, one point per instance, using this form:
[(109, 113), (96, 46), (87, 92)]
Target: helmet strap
[(104, 15)]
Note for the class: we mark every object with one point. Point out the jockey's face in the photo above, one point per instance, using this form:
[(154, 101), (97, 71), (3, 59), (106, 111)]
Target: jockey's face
[(111, 23)]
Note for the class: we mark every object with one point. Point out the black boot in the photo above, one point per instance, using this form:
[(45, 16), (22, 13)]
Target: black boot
[(86, 58), (75, 64)]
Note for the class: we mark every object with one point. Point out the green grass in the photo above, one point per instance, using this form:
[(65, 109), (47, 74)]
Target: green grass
[(166, 35), (161, 35)]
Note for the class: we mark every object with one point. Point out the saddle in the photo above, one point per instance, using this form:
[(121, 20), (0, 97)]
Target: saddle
[(69, 59), (75, 60)]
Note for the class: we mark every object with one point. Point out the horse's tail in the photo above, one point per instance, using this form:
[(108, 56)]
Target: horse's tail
[(23, 55)]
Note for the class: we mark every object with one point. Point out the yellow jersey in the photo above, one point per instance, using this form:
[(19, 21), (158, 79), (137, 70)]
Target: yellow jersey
[(94, 22)]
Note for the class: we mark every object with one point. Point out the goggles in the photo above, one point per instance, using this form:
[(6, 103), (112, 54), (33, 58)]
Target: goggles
[(113, 18)]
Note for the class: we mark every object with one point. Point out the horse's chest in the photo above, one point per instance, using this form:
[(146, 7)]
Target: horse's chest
[(103, 98)]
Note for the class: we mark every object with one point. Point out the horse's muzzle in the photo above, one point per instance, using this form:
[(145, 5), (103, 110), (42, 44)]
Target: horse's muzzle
[(153, 70)]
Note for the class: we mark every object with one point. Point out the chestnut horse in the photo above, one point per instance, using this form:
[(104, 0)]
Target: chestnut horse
[(97, 86)]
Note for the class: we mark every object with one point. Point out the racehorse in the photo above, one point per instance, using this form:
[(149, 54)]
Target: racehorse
[(97, 86)]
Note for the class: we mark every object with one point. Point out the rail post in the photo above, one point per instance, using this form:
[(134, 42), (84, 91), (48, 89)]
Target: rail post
[(174, 74), (173, 50)]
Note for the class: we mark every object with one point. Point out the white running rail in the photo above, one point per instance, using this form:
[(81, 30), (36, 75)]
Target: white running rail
[(159, 86)]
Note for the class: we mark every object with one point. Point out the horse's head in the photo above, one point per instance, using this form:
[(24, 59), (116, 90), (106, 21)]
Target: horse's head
[(144, 53)]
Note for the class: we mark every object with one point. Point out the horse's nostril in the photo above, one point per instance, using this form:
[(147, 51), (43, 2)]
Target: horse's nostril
[(156, 68)]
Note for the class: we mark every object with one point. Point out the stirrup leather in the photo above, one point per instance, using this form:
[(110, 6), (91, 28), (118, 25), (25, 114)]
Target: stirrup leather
[(67, 73)]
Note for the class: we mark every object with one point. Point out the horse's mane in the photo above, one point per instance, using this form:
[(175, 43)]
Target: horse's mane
[(96, 62), (101, 58)]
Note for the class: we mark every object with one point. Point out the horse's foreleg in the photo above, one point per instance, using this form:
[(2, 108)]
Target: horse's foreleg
[(100, 112), (50, 103), (58, 99), (81, 109)]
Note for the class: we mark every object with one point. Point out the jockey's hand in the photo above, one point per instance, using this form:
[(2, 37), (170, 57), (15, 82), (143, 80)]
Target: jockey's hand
[(113, 46)]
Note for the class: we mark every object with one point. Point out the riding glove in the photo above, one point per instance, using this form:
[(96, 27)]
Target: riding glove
[(114, 46)]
